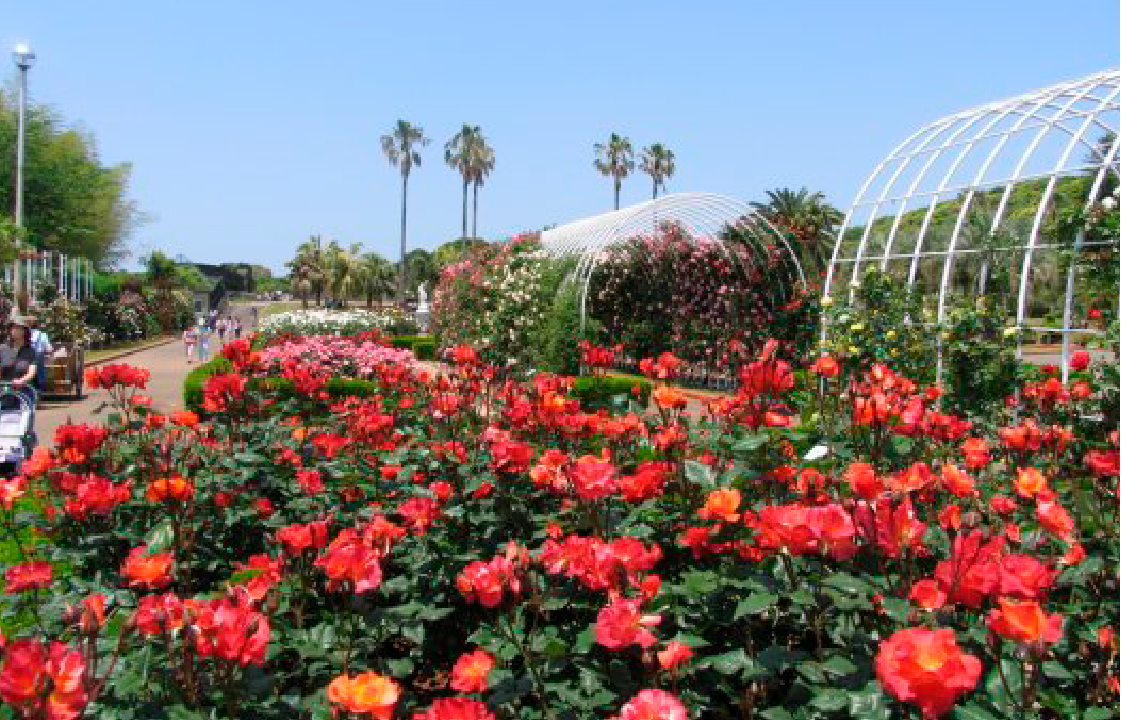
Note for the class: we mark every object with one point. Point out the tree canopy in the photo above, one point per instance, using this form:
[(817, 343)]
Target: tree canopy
[(73, 202)]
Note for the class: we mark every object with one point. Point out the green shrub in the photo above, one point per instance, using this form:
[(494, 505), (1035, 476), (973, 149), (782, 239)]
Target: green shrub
[(595, 393), (193, 385), (425, 348), (556, 344)]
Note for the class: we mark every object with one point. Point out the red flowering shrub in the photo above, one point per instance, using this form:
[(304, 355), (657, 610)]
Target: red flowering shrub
[(826, 542)]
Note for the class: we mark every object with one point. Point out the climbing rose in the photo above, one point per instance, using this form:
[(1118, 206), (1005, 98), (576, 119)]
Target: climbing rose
[(366, 694), (471, 670), (926, 668)]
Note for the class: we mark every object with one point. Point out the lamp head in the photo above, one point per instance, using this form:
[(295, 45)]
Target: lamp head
[(23, 56)]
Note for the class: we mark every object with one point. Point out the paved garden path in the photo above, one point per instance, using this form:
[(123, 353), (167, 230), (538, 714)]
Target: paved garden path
[(169, 368)]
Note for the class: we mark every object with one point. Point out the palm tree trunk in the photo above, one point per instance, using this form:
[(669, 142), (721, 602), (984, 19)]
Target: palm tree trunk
[(464, 229), (401, 266), (617, 184), (654, 190), (474, 209)]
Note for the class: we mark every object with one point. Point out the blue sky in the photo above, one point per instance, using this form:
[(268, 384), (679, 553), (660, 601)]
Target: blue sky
[(253, 124)]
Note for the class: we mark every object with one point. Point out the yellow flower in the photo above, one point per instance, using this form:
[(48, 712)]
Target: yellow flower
[(826, 301), (854, 350), (890, 334), (1010, 331), (857, 327)]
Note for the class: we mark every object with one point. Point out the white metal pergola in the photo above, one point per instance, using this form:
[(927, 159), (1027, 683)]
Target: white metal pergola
[(1043, 136), (73, 275), (703, 217)]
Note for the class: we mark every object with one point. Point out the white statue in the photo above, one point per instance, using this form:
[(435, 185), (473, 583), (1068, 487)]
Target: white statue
[(422, 299)]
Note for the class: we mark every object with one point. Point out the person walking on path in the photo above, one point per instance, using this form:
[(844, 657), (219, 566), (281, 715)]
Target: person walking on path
[(221, 328), (204, 344), (190, 338), (41, 343), (238, 328)]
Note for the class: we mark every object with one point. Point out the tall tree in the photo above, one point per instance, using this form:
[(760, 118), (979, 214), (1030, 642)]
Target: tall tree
[(162, 272), (614, 160), (808, 217), (401, 148), (309, 273), (482, 163), (375, 277), (658, 162), (459, 153), (73, 202)]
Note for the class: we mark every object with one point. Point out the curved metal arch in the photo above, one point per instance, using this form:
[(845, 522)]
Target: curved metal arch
[(1073, 111), (703, 217)]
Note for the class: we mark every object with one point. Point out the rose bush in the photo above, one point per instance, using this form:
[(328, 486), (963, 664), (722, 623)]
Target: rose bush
[(825, 543)]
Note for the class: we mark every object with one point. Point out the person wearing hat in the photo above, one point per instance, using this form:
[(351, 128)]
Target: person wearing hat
[(18, 360)]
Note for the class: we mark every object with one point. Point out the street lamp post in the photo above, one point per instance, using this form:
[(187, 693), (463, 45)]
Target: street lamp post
[(24, 59)]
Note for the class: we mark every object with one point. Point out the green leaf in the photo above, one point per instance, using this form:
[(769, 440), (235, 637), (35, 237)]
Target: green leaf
[(750, 444), (972, 711), (1100, 713), (776, 713), (838, 665), (869, 703), (754, 603), (1056, 671), (830, 699), (729, 663), (160, 537), (699, 474)]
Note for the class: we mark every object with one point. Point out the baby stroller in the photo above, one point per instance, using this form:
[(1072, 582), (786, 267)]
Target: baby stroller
[(17, 439)]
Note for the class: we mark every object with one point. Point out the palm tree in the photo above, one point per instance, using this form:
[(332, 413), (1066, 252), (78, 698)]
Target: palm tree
[(342, 269), (400, 147), (459, 153), (482, 163), (614, 160), (808, 217), (375, 277), (658, 162), (308, 270)]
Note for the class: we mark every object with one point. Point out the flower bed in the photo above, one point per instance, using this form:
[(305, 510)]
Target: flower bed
[(823, 544), (325, 322), (332, 355)]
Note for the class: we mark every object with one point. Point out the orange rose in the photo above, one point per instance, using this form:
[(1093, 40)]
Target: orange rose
[(1030, 481), (366, 694), (826, 367), (151, 571), (669, 399), (1025, 622), (863, 480), (926, 668), (471, 670), (722, 505)]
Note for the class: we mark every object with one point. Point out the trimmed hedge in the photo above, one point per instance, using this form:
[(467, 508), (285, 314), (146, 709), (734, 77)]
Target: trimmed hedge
[(193, 385), (600, 392), (423, 346)]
